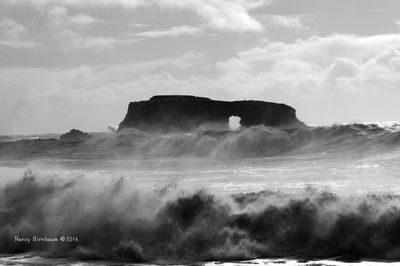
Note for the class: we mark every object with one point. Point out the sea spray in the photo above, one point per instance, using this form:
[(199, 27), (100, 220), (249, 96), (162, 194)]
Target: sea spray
[(119, 220), (247, 142)]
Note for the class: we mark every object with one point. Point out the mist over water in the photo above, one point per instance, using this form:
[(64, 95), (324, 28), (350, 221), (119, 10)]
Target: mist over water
[(210, 195), (251, 142)]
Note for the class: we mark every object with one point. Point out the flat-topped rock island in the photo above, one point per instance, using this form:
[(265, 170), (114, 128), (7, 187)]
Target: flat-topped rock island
[(181, 113)]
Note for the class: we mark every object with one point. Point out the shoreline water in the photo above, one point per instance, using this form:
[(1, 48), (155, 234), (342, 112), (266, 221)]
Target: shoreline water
[(32, 259)]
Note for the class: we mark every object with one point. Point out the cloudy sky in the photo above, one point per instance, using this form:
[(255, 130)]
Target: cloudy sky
[(78, 63)]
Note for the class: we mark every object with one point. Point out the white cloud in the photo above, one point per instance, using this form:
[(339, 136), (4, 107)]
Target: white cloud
[(70, 24), (82, 3), (230, 15), (172, 32), (58, 16), (187, 60), (357, 63), (322, 50), (235, 68), (69, 32), (342, 67), (397, 22), (96, 43), (227, 15), (82, 19), (11, 28), (285, 22), (17, 44)]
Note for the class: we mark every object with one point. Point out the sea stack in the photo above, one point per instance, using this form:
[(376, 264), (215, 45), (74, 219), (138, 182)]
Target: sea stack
[(184, 113)]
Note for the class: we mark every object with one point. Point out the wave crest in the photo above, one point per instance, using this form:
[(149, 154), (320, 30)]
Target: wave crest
[(257, 141), (124, 222)]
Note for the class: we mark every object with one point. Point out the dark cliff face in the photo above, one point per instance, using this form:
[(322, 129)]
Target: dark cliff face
[(185, 113)]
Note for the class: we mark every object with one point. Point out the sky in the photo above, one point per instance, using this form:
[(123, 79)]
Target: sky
[(78, 63)]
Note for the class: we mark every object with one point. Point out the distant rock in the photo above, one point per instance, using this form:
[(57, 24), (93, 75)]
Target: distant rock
[(74, 136), (169, 113)]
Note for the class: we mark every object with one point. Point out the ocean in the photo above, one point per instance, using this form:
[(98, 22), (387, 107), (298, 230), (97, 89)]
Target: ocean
[(321, 195)]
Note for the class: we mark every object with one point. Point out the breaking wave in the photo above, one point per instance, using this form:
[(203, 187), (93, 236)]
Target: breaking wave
[(257, 141), (121, 221)]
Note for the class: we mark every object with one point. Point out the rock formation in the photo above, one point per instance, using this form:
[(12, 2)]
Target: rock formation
[(74, 136), (183, 113)]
